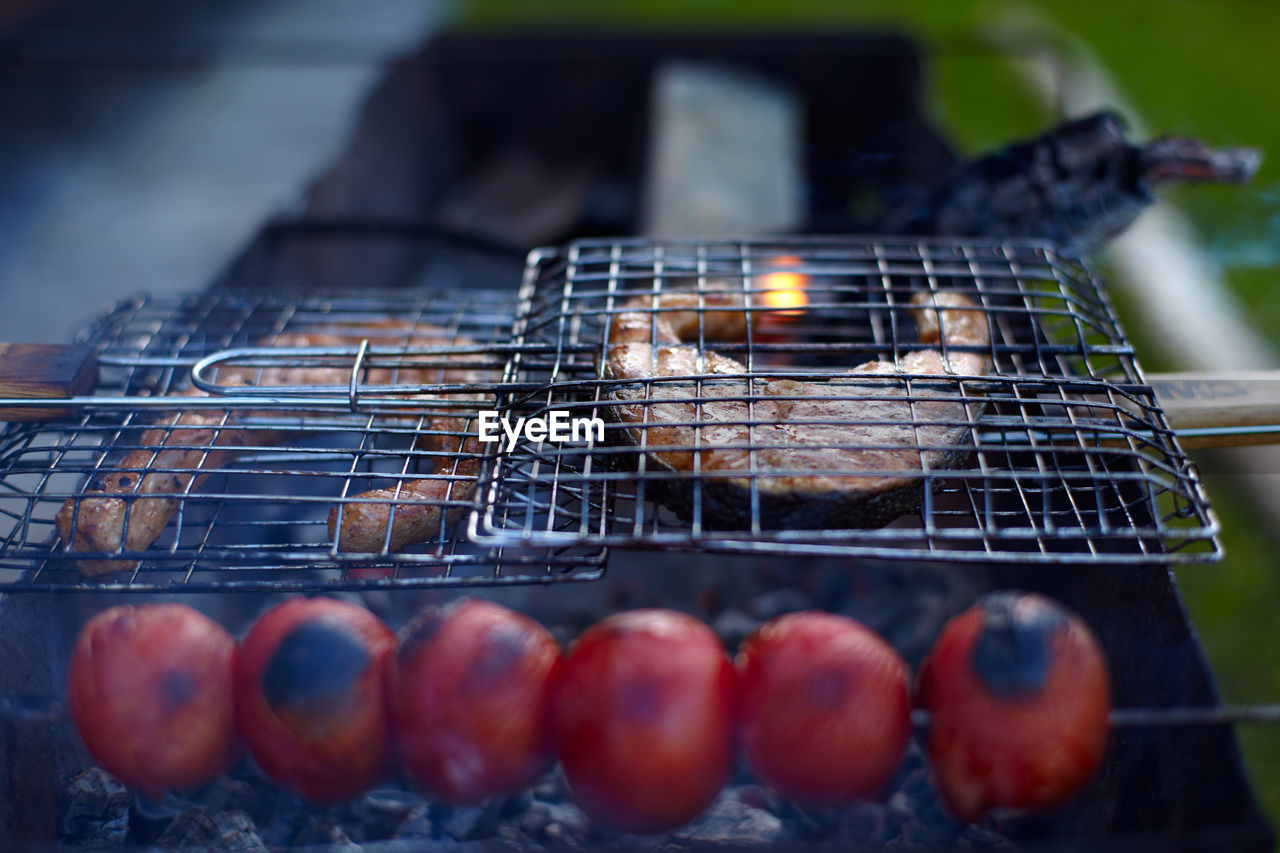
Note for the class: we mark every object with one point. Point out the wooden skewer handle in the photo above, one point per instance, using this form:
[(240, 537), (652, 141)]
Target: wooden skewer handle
[(44, 372), (1229, 403)]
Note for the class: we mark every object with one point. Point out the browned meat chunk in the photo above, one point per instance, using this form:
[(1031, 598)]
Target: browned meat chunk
[(849, 452), (176, 455)]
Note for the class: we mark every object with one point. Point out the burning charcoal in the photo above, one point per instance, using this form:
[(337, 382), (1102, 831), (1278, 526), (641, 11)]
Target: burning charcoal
[(729, 821), (98, 810), (194, 829), (416, 825)]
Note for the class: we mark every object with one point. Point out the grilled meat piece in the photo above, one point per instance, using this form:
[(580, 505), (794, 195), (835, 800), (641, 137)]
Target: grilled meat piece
[(849, 452), (410, 511), (1079, 184), (192, 442)]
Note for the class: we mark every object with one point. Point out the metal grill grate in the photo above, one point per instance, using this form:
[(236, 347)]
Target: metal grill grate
[(370, 392), (1057, 452)]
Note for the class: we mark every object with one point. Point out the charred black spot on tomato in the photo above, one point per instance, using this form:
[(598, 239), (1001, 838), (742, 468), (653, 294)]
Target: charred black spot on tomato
[(504, 646), (423, 627), (315, 667), (177, 688), (1014, 653)]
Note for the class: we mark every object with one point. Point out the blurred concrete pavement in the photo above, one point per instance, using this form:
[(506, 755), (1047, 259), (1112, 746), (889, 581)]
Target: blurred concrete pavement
[(144, 175)]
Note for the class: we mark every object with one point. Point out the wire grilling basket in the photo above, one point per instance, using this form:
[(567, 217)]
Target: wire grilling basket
[(1053, 450), (237, 439)]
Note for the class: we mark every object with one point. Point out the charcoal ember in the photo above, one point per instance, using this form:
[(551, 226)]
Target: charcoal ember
[(97, 809), (196, 829), (556, 823), (731, 822), (325, 832), (416, 825), (733, 626)]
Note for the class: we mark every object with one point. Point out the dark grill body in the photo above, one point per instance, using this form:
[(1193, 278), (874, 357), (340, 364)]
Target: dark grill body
[(374, 221)]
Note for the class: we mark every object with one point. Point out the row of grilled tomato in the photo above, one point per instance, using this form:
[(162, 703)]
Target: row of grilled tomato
[(645, 712)]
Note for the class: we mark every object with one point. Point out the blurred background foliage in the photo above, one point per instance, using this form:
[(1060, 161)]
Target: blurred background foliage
[(1194, 68)]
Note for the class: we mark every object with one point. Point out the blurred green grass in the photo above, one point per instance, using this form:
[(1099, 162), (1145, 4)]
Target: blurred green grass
[(1195, 68)]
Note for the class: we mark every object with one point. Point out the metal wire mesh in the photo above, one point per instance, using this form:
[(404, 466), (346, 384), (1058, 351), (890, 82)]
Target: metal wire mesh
[(1054, 451), (302, 405)]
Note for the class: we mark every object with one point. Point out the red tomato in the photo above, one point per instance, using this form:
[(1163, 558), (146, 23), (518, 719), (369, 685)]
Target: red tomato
[(310, 689), (825, 707), (642, 714), (469, 697), (1019, 694), (150, 692)]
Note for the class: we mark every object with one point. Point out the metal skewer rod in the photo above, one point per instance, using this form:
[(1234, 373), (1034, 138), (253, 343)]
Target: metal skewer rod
[(1128, 718)]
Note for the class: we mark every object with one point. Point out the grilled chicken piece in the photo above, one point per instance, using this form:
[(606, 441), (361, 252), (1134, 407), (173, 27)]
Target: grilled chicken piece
[(1079, 184), (191, 443), (410, 511), (845, 453)]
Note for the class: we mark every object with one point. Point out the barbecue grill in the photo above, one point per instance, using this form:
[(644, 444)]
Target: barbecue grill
[(1072, 457), (1071, 461), (259, 522)]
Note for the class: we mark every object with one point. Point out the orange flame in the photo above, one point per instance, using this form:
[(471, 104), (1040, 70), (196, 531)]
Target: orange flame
[(784, 290)]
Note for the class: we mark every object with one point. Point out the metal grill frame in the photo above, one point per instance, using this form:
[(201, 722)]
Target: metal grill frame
[(1065, 389), (348, 437)]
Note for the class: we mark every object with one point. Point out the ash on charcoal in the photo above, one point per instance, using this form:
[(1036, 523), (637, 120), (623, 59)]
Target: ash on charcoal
[(556, 823), (469, 823), (326, 832), (227, 794), (382, 811), (98, 809), (417, 825), (731, 822), (193, 829)]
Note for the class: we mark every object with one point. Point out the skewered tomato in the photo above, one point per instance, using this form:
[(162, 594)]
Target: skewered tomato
[(825, 708), (150, 691), (642, 714), (310, 691), (469, 696), (1019, 694)]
